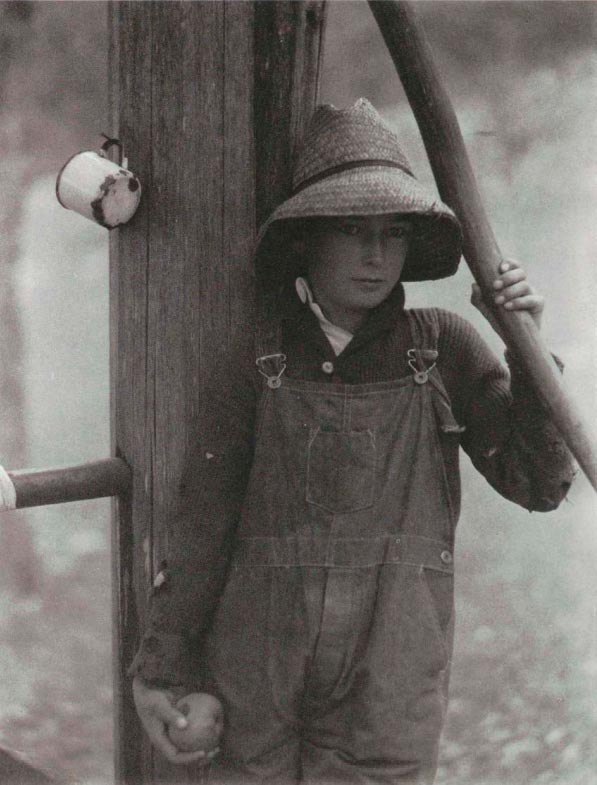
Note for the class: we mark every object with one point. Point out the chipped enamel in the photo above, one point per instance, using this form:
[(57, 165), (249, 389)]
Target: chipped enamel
[(98, 189)]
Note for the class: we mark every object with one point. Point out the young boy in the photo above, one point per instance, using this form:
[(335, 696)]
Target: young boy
[(309, 583)]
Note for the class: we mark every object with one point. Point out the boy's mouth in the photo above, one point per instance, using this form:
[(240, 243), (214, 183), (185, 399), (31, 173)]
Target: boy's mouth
[(369, 280)]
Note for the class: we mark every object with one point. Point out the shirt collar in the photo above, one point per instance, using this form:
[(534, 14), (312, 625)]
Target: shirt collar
[(338, 337)]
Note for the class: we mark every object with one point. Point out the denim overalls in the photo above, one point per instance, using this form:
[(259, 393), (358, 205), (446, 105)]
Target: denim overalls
[(331, 644)]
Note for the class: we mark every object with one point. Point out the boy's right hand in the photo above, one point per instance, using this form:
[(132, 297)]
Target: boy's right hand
[(156, 712)]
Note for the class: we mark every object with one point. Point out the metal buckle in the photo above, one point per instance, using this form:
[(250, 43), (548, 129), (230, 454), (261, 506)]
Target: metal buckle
[(421, 376), (278, 361)]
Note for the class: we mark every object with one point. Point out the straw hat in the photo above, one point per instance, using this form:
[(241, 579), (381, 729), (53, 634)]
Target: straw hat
[(350, 163)]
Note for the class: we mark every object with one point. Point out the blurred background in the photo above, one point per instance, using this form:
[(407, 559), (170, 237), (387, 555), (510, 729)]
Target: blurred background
[(523, 78)]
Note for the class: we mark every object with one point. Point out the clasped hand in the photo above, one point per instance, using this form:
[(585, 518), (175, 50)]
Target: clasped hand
[(512, 292), (158, 714)]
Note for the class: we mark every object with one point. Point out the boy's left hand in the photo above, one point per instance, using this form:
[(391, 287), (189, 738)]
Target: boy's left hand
[(512, 292)]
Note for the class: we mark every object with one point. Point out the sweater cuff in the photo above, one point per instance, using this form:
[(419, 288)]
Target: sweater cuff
[(163, 660)]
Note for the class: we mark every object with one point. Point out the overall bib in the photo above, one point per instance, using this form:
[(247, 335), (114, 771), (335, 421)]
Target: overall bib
[(331, 644)]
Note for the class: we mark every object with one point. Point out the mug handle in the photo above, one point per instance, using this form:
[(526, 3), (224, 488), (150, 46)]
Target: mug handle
[(111, 142)]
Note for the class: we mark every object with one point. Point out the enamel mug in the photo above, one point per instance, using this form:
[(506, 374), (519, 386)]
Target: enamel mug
[(99, 189)]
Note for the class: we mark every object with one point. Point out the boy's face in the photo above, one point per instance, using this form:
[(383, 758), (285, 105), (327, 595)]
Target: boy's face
[(354, 263)]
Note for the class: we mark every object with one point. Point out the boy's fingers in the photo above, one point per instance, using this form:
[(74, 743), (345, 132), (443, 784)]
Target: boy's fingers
[(190, 757), (509, 278), (168, 714), (508, 264), (531, 302), (158, 736), (476, 296), (520, 289)]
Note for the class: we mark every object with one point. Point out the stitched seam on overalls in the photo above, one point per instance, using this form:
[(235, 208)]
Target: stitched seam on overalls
[(419, 340), (262, 404)]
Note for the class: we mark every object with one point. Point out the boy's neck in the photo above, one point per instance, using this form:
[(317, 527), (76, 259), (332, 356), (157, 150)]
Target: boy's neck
[(347, 321), (341, 317)]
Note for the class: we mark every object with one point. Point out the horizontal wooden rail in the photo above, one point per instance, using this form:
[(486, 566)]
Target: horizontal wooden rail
[(93, 480)]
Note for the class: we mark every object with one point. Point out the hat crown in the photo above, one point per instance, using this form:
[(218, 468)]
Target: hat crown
[(336, 138)]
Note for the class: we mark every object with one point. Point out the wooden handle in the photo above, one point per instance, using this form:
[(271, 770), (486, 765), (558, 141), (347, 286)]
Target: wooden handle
[(94, 480), (456, 183)]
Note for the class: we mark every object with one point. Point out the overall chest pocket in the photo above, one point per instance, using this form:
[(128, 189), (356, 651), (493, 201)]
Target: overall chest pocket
[(341, 470)]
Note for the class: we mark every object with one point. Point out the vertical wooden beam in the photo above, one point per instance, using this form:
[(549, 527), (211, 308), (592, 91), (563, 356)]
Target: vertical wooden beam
[(182, 89), (130, 79), (288, 55)]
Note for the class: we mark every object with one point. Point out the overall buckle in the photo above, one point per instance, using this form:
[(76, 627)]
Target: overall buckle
[(272, 366), (417, 359)]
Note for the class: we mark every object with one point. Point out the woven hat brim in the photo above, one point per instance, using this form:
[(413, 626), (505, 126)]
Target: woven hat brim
[(379, 190)]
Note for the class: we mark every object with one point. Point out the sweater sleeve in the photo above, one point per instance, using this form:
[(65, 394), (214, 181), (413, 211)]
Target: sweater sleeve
[(212, 488), (509, 436)]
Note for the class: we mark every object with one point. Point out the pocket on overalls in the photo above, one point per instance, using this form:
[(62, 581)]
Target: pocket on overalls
[(341, 470), (438, 588)]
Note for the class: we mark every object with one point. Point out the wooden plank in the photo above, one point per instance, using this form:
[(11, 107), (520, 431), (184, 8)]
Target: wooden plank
[(238, 203), (288, 47), (456, 183), (181, 282), (186, 265), (130, 67), (57, 485)]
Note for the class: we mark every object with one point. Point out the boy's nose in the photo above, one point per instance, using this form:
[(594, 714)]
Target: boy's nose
[(374, 250)]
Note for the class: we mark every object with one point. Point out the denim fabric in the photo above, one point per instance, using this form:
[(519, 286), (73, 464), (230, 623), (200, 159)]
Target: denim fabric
[(331, 644)]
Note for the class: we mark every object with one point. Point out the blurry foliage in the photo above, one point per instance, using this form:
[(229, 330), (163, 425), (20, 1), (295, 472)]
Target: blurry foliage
[(57, 90), (55, 692), (56, 702), (475, 44)]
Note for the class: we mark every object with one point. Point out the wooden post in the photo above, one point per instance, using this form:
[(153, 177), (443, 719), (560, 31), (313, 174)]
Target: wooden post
[(185, 88), (456, 183), (93, 480)]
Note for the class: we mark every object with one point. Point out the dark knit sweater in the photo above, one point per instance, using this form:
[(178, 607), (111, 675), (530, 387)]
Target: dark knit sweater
[(507, 436)]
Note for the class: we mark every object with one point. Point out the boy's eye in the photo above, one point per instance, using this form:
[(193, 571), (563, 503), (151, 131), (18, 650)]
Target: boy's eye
[(400, 232)]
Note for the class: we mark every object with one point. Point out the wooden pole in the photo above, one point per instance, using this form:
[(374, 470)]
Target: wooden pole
[(455, 180), (93, 480), (187, 81), (288, 54)]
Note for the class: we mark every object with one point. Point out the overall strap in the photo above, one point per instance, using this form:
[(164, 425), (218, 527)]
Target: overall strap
[(423, 357), (269, 360)]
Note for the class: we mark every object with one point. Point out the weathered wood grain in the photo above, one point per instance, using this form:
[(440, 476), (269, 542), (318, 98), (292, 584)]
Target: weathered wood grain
[(93, 480), (288, 47), (132, 399), (238, 230), (185, 107)]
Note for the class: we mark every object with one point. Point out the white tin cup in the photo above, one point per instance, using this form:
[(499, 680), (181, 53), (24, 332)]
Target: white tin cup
[(98, 189)]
